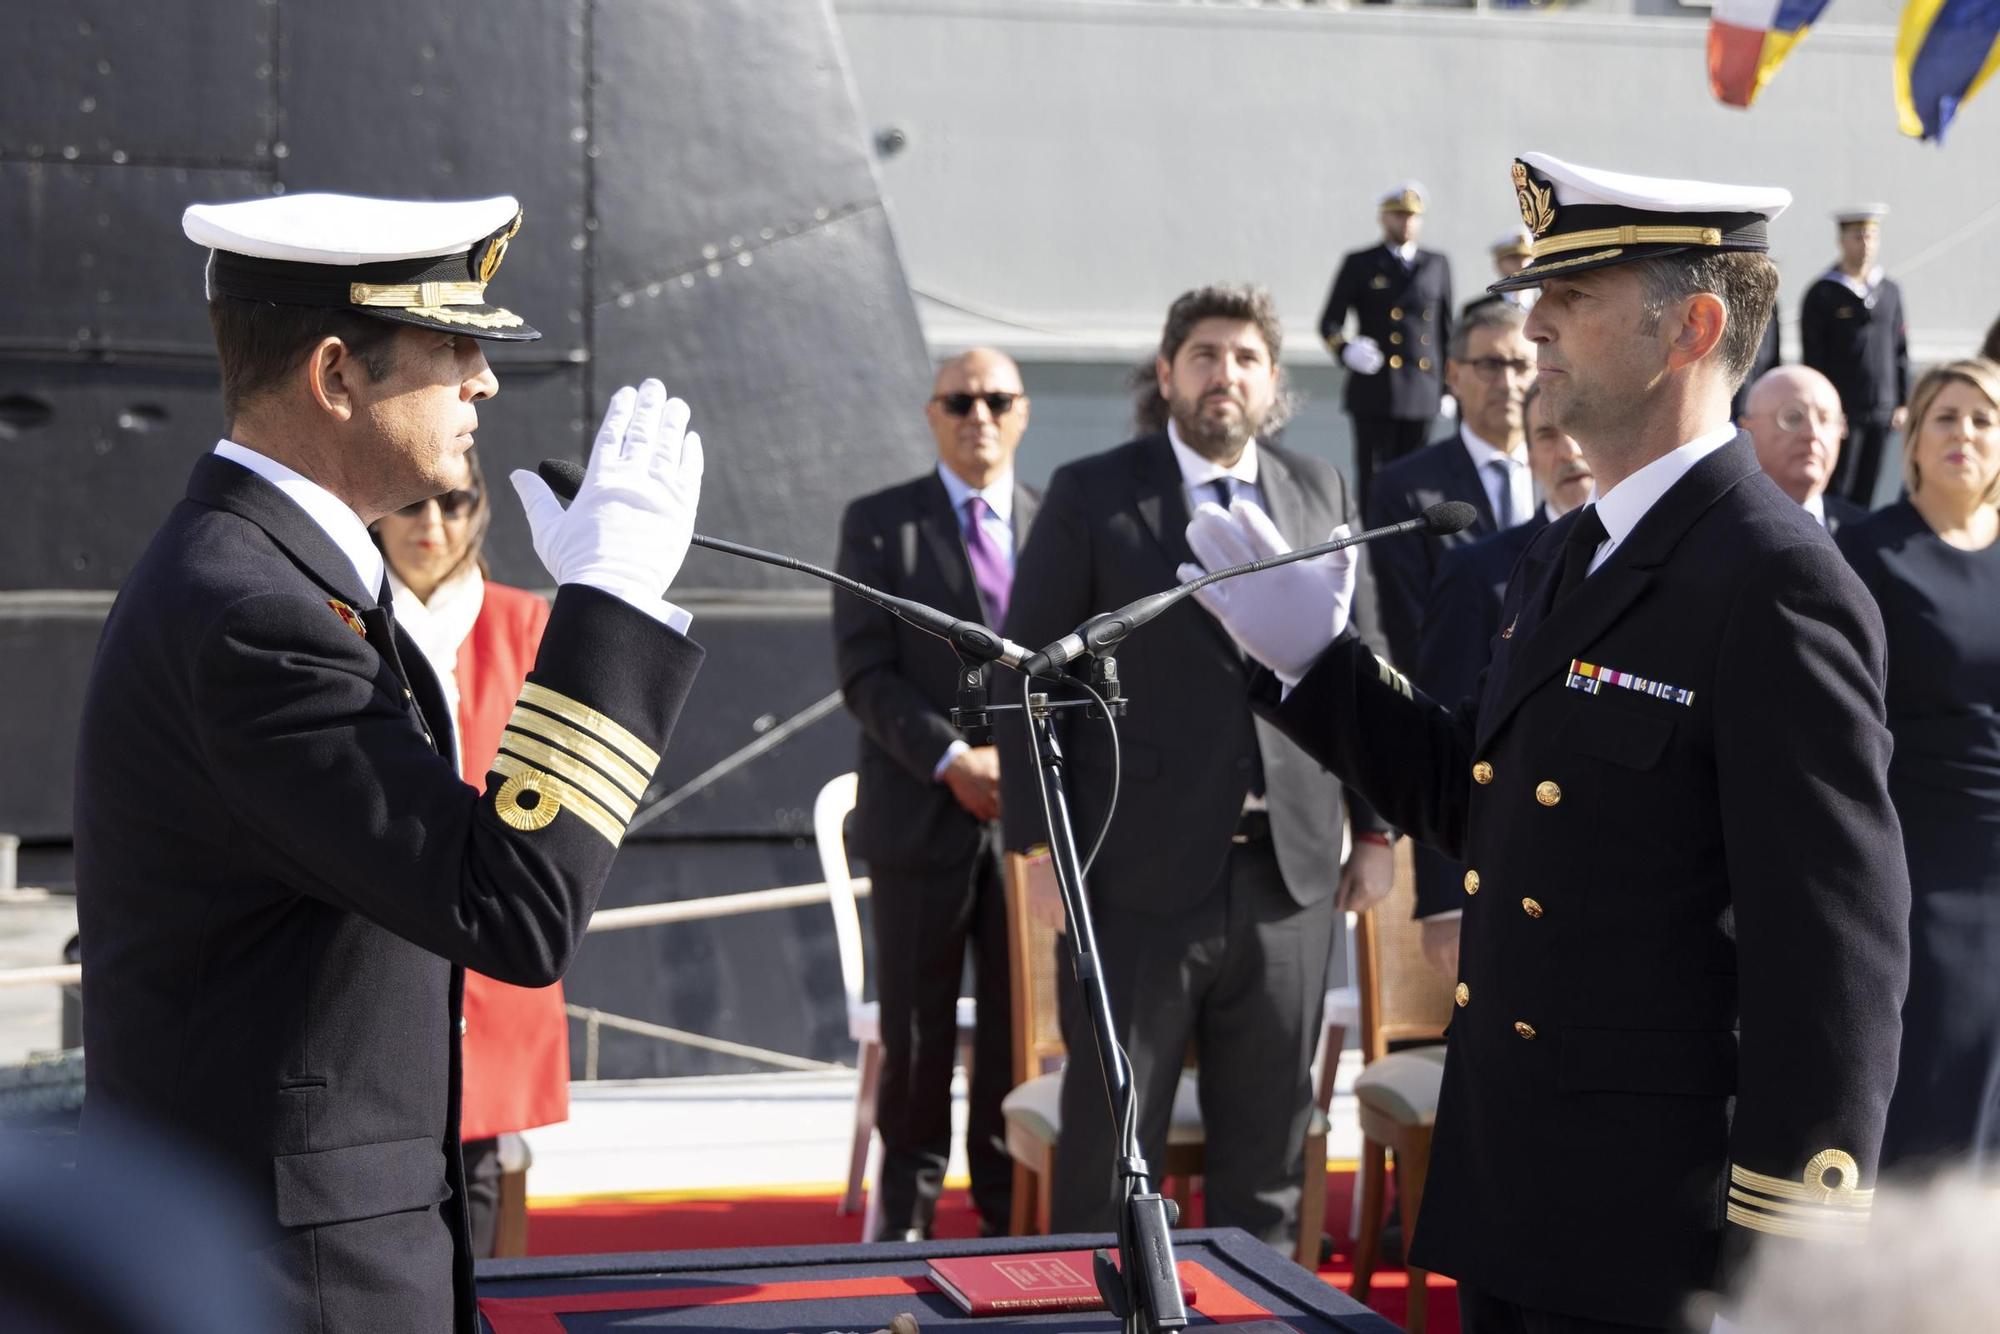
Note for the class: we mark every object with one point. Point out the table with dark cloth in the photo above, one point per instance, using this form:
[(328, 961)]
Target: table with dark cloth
[(1237, 1280)]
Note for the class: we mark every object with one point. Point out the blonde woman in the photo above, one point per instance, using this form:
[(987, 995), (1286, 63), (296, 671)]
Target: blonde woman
[(1933, 563)]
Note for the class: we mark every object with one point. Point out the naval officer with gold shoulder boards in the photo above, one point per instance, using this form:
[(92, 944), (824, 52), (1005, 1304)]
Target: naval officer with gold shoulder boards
[(1684, 941), (280, 875)]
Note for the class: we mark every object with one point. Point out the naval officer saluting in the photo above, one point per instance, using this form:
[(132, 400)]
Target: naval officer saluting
[(1684, 938), (280, 875)]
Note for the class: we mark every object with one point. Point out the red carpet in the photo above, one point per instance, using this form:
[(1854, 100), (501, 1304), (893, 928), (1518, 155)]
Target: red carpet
[(804, 1220)]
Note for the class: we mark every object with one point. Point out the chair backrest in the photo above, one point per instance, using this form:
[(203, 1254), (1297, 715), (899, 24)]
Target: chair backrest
[(830, 810), (1403, 998), (1034, 917)]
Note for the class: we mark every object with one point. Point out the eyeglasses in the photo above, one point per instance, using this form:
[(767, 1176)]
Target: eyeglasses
[(1491, 367), (960, 405), (1797, 418), (451, 505)]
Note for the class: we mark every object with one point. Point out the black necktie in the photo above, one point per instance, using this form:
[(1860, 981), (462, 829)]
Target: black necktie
[(1585, 536)]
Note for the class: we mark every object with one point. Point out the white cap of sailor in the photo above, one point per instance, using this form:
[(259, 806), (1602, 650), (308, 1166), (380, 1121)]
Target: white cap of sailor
[(1861, 213), (1585, 218), (1516, 242), (404, 260)]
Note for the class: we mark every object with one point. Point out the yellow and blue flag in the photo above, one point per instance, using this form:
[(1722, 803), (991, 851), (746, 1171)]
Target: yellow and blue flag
[(1945, 49), (1749, 39)]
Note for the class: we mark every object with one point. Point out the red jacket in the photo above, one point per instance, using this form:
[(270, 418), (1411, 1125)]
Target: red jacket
[(516, 1044)]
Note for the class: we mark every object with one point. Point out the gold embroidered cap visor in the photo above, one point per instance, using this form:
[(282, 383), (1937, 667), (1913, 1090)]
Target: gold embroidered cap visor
[(405, 261), (1582, 218)]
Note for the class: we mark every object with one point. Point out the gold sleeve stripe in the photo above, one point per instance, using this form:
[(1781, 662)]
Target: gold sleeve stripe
[(1829, 1215), (572, 771), (643, 756), (1785, 1227), (1845, 1197), (610, 761), (1392, 678), (574, 802)]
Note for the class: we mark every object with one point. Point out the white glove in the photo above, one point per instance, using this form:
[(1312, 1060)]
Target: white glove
[(628, 529), (1283, 617), (1362, 355)]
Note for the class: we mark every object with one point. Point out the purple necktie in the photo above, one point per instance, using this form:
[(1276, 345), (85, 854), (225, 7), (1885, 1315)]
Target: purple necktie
[(989, 564)]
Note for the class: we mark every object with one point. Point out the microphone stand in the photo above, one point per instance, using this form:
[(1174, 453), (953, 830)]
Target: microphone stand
[(1144, 1288)]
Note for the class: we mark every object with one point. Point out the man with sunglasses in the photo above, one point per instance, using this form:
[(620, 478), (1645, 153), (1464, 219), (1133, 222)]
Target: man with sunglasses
[(281, 877), (927, 809), (1484, 463)]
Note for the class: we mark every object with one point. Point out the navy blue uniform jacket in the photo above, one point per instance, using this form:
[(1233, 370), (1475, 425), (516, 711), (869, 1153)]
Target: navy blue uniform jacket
[(280, 879), (1406, 309), (1685, 941), (1406, 565)]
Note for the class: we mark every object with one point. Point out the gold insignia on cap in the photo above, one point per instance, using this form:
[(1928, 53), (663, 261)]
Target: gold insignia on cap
[(538, 812), (478, 319), (496, 249), (1538, 207), (348, 616)]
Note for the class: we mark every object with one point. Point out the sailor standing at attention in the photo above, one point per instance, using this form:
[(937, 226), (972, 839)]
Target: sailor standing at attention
[(1685, 938), (281, 877)]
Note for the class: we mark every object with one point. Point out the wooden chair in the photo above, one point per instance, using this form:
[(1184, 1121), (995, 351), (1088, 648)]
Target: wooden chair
[(1402, 999), (1033, 1108), (510, 1228), (864, 1017)]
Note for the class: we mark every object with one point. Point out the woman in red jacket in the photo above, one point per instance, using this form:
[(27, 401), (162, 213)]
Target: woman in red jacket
[(480, 639)]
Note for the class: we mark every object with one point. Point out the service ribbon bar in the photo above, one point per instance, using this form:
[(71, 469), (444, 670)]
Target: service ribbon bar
[(1590, 678)]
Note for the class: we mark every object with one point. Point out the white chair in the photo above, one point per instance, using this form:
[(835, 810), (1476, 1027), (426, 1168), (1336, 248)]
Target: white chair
[(864, 1017)]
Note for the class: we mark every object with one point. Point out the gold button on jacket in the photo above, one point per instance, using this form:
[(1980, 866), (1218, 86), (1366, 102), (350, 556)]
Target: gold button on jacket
[(1482, 773), (1472, 882), (1525, 1029), (1548, 793), (1463, 995), (1530, 907)]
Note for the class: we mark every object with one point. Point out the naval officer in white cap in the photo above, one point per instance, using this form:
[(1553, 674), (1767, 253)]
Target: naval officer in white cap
[(1684, 939), (280, 876)]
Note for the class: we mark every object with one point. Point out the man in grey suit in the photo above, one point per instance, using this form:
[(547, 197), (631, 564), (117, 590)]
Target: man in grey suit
[(1215, 893)]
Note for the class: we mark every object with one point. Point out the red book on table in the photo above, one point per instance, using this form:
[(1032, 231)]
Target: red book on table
[(1009, 1284)]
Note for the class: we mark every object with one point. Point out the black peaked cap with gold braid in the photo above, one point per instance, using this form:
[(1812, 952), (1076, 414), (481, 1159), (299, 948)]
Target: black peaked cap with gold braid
[(406, 261), (1584, 218)]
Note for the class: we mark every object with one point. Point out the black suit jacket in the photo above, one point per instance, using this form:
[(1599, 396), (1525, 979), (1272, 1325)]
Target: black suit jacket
[(280, 880), (1112, 528), (1461, 618), (1862, 346), (1840, 511), (901, 683), (1407, 309), (1406, 565), (1685, 941)]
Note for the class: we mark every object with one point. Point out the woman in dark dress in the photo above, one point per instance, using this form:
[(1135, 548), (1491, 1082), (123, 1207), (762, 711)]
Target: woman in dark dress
[(1933, 564)]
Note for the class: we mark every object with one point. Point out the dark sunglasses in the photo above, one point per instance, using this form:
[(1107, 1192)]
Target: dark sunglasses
[(960, 405), (451, 505)]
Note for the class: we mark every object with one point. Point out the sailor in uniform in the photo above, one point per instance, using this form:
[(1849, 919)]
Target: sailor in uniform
[(1401, 299), (281, 877), (1853, 330), (1685, 909)]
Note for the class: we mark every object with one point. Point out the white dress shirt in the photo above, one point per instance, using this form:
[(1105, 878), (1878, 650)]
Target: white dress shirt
[(1199, 475), (1518, 484), (344, 526), (1407, 252), (998, 524), (1816, 506), (1625, 504)]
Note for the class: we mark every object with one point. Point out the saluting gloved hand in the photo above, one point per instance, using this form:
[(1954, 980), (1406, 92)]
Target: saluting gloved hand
[(628, 529), (1362, 355), (1283, 617)]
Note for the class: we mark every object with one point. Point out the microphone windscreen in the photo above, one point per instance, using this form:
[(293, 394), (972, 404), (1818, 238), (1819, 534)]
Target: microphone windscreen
[(565, 476), (1447, 516)]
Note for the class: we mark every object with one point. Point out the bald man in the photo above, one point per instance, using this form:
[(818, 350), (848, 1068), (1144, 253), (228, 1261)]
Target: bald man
[(1794, 419), (927, 811)]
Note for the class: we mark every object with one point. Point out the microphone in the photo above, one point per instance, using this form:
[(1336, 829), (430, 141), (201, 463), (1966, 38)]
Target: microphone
[(565, 477), (1106, 629)]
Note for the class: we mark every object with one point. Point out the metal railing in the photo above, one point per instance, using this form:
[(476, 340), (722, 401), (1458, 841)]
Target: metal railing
[(613, 919)]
